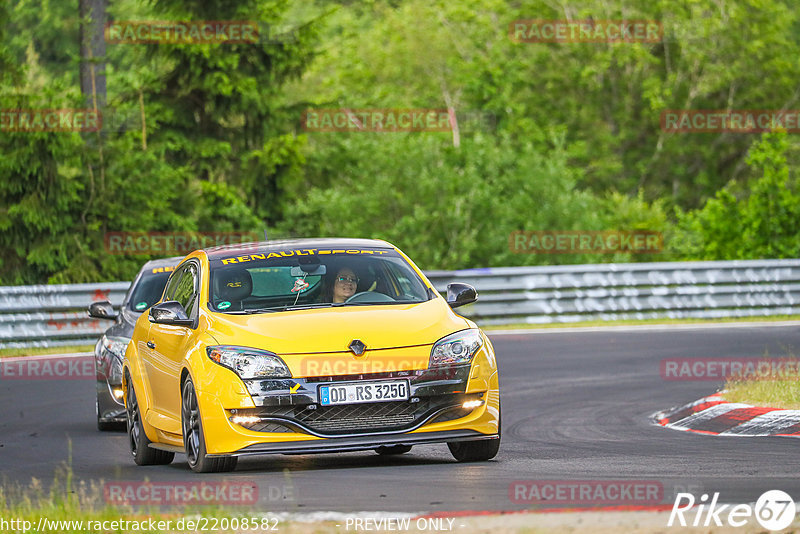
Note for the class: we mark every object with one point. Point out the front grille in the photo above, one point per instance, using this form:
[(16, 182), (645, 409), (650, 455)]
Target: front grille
[(267, 426), (350, 418), (451, 415), (370, 416)]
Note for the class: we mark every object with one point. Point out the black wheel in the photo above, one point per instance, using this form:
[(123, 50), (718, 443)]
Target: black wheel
[(142, 453), (474, 451), (394, 449), (193, 440), (477, 450)]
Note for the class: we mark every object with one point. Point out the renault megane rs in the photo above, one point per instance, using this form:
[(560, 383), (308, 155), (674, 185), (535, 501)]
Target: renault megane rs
[(307, 346)]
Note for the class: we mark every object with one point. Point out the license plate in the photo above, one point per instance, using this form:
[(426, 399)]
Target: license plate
[(363, 392)]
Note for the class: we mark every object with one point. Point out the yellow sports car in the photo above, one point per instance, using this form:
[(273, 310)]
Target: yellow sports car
[(307, 346)]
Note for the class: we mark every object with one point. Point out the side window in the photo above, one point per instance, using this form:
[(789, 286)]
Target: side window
[(404, 282), (185, 289), (172, 283)]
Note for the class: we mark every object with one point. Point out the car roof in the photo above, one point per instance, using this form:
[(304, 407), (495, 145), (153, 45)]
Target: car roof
[(162, 262), (225, 251)]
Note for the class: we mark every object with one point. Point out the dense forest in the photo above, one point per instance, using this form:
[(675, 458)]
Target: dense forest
[(210, 137)]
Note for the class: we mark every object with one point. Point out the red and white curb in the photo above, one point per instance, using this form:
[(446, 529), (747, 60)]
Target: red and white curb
[(716, 416)]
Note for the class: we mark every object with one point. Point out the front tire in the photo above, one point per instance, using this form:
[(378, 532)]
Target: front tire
[(141, 451), (474, 451), (193, 439), (393, 450)]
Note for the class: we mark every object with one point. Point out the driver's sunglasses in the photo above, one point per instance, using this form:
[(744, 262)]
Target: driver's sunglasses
[(347, 279)]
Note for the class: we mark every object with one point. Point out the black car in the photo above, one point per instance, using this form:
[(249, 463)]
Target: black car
[(145, 291)]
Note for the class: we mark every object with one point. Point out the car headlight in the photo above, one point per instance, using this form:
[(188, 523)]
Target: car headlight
[(115, 372), (249, 363), (457, 348), (116, 345)]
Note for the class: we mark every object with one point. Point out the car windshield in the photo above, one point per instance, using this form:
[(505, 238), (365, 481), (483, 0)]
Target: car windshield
[(302, 278), (149, 288)]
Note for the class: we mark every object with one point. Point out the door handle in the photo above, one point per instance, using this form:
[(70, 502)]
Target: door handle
[(151, 344)]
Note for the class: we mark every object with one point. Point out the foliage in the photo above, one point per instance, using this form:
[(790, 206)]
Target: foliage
[(207, 137), (765, 224)]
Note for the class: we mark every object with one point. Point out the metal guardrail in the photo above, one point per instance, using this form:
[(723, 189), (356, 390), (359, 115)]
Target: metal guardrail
[(608, 292), (52, 315)]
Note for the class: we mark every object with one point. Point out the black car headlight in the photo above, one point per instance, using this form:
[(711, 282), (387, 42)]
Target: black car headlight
[(115, 346), (456, 349), (249, 363)]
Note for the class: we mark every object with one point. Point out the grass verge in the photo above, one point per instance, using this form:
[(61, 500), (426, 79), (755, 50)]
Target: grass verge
[(781, 393), (36, 351), (69, 507)]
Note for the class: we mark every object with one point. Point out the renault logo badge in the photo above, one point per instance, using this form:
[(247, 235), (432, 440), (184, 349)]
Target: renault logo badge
[(357, 347)]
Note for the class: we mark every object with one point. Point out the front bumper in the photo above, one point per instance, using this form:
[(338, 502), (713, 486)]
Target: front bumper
[(360, 443), (288, 418)]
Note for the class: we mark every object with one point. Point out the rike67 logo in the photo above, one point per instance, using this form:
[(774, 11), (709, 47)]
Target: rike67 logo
[(774, 510)]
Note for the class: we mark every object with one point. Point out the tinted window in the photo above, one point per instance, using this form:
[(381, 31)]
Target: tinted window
[(147, 291)]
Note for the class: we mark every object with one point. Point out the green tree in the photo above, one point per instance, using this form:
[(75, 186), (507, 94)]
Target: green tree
[(765, 223)]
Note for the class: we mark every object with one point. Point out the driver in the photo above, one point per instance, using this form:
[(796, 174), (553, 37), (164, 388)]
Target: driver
[(344, 286)]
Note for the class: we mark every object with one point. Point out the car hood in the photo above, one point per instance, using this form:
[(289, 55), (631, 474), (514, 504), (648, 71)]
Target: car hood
[(330, 330)]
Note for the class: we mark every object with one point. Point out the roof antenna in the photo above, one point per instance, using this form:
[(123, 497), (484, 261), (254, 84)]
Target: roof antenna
[(265, 235)]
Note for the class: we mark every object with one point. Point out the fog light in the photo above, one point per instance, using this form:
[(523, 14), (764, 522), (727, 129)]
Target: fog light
[(469, 405), (117, 393), (245, 419)]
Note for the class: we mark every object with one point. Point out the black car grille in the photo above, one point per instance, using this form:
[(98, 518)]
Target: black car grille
[(352, 418), (451, 415), (369, 416), (268, 427)]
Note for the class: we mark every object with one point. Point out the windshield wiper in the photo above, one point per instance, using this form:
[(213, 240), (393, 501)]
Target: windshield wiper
[(380, 303), (287, 308)]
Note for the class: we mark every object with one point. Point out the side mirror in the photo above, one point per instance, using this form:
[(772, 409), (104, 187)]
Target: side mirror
[(170, 312), (102, 310), (459, 294)]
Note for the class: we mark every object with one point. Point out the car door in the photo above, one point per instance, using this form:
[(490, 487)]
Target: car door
[(168, 345)]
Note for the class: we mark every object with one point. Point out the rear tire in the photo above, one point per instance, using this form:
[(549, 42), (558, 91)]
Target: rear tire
[(193, 440), (141, 451), (393, 450)]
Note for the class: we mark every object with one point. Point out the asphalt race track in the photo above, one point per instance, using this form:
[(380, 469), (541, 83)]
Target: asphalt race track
[(575, 405)]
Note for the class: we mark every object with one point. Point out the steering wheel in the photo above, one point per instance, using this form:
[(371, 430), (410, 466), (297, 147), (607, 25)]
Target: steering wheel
[(369, 296)]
